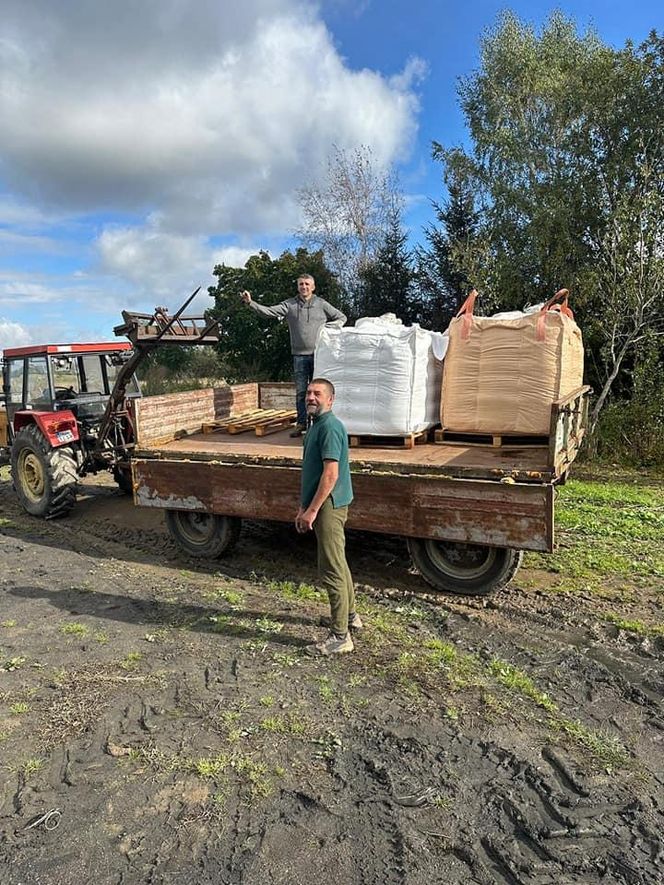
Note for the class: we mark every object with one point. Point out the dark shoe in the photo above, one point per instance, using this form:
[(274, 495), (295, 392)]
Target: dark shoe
[(331, 646), (298, 430), (354, 621)]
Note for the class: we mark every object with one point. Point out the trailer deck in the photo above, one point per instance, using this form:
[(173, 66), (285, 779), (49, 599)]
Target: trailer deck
[(522, 463)]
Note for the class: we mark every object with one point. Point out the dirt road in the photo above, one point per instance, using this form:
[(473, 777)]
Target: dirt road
[(163, 710)]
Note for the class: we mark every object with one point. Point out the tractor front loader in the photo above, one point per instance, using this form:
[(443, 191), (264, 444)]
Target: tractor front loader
[(69, 408)]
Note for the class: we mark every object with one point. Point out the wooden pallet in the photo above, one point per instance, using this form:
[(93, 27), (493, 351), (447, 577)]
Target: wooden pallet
[(262, 421), (406, 441), (495, 440)]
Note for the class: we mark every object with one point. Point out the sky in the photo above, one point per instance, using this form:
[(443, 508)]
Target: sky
[(144, 141)]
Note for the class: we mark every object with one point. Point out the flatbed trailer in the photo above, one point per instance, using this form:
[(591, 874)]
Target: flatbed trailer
[(467, 511)]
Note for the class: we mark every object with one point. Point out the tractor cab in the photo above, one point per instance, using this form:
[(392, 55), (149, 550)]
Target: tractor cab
[(76, 377), (70, 409)]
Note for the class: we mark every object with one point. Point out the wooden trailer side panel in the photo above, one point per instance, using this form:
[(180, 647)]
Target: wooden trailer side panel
[(513, 515)]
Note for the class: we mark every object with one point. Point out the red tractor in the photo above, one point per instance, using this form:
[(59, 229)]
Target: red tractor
[(68, 409)]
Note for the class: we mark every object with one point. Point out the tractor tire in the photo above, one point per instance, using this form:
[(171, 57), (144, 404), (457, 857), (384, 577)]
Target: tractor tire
[(44, 478), (203, 534), (464, 569)]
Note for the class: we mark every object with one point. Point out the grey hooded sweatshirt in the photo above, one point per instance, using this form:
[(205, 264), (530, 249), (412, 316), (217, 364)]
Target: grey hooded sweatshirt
[(304, 319)]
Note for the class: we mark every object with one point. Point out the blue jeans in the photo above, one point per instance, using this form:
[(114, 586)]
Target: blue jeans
[(303, 372)]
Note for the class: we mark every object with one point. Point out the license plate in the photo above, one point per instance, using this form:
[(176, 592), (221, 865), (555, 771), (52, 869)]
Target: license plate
[(64, 435)]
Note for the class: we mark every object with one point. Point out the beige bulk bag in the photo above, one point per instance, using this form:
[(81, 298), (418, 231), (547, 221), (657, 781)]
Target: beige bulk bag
[(501, 376)]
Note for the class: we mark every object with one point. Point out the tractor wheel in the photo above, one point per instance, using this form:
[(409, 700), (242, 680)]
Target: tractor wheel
[(44, 478), (203, 534), (465, 569)]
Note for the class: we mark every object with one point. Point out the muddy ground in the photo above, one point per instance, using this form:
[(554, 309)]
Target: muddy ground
[(164, 711)]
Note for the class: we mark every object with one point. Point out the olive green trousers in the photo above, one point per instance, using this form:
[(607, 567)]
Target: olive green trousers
[(333, 571)]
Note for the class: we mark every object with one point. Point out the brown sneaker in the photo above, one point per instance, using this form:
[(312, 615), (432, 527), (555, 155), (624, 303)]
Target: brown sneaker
[(354, 622), (298, 430), (331, 646)]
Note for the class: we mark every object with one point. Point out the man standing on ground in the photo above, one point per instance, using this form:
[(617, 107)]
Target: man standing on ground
[(326, 494), (305, 314)]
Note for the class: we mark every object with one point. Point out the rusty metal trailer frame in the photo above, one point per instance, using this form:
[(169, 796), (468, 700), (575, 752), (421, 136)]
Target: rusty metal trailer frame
[(431, 495)]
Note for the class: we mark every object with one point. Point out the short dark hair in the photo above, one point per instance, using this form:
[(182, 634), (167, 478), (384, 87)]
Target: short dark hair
[(324, 381)]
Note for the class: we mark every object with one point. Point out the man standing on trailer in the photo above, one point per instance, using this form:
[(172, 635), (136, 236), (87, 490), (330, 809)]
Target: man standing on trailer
[(305, 314), (326, 494)]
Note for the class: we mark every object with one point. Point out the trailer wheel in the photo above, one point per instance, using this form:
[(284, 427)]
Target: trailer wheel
[(203, 534), (466, 569), (122, 476), (44, 478)]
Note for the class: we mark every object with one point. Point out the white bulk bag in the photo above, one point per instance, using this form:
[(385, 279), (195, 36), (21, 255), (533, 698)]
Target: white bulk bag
[(387, 376)]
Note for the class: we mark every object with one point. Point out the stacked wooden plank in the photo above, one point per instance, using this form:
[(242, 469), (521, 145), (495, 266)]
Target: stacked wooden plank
[(495, 440), (405, 441), (261, 421)]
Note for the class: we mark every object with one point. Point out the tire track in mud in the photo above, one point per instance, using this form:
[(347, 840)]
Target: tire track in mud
[(537, 824)]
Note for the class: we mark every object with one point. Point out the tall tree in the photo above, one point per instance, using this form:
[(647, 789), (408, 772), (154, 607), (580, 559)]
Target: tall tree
[(445, 271), (251, 348), (388, 281), (347, 214), (567, 171)]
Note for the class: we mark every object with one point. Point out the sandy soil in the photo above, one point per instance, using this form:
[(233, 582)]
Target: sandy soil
[(164, 711)]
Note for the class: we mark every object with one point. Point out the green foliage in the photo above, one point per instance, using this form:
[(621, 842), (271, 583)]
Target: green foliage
[(388, 281), (566, 170), (255, 348), (443, 265)]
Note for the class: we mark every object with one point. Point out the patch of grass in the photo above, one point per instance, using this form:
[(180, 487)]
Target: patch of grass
[(8, 623), (605, 749), (325, 689), (31, 766), (295, 592), (285, 659), (635, 626), (14, 663), (131, 660), (5, 523), (233, 597), (74, 629), (519, 683), (266, 701), (266, 625), (100, 636), (291, 723), (19, 708)]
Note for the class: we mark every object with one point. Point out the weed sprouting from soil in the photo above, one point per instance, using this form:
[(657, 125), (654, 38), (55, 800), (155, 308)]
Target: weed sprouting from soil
[(131, 660), (8, 623), (295, 592), (31, 766), (14, 663), (74, 629), (19, 708)]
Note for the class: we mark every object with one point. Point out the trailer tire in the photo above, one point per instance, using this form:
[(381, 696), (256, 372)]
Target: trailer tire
[(205, 535), (465, 569), (44, 478), (122, 476)]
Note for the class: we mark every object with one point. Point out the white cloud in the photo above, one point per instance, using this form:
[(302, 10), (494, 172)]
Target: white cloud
[(13, 334), (165, 267), (210, 114), (21, 293)]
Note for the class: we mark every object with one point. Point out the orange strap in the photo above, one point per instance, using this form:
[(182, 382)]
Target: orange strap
[(466, 310), (559, 303)]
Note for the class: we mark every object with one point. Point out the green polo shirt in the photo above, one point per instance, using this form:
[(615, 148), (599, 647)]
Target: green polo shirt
[(326, 440)]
